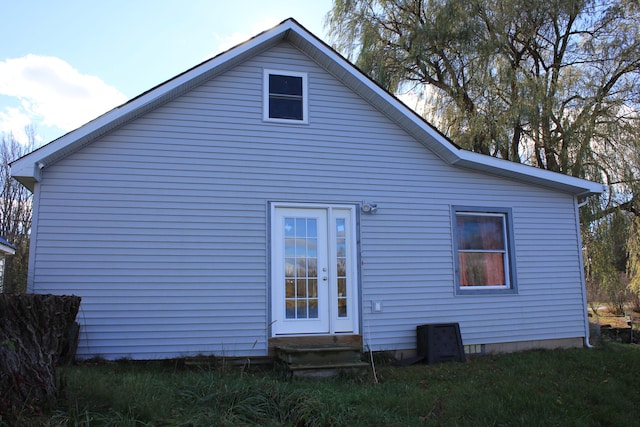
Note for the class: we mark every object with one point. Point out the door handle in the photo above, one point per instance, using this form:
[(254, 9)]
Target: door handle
[(325, 278)]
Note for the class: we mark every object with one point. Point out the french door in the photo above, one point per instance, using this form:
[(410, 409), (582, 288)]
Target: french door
[(314, 270)]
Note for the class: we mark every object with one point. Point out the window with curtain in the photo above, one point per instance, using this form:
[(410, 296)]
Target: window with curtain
[(482, 244)]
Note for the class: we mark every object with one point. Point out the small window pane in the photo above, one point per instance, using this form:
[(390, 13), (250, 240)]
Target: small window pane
[(312, 248), (289, 227), (342, 307), (302, 288), (342, 287), (301, 227), (301, 267), (312, 267), (313, 288), (341, 265), (289, 247), (285, 85), (284, 108), (289, 270), (301, 309), (481, 269), (480, 232), (313, 309), (312, 228), (290, 309), (290, 288)]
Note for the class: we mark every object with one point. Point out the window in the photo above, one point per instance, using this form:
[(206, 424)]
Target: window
[(285, 97), (483, 245)]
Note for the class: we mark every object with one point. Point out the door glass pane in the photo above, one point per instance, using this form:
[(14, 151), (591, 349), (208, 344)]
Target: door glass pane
[(313, 308), (289, 227), (341, 267), (290, 309), (290, 291), (301, 268), (313, 288), (301, 312), (302, 288)]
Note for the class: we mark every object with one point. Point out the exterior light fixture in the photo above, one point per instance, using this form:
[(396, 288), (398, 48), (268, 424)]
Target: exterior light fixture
[(369, 208)]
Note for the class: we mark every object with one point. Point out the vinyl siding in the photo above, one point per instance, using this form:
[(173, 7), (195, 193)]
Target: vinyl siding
[(162, 225)]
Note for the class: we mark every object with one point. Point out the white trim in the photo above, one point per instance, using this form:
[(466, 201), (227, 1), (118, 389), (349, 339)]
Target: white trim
[(8, 250), (265, 96), (348, 324), (508, 253), (25, 171), (335, 324), (281, 325)]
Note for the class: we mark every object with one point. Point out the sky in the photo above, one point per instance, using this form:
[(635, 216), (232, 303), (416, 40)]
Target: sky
[(65, 62)]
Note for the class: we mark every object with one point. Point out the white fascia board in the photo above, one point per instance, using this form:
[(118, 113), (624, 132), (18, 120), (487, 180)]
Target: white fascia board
[(530, 174), (7, 249)]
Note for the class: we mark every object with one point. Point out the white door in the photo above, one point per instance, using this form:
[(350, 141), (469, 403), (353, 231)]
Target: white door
[(314, 270)]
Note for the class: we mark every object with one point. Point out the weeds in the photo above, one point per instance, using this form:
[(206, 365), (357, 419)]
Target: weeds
[(564, 387)]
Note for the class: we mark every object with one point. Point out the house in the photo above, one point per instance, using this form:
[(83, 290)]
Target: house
[(6, 249), (276, 193)]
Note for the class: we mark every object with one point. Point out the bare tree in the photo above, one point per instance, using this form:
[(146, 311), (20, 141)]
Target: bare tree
[(15, 212)]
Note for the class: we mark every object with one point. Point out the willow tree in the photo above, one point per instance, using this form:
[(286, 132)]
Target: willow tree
[(541, 82), (554, 84)]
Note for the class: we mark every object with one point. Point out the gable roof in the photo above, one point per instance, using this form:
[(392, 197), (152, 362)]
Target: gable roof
[(28, 168)]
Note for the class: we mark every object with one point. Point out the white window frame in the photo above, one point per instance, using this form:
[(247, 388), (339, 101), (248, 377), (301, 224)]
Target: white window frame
[(266, 93), (509, 258)]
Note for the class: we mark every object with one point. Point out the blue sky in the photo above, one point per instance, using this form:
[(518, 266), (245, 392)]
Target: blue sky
[(64, 62)]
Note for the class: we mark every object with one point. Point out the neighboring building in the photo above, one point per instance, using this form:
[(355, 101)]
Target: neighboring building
[(275, 192), (6, 249)]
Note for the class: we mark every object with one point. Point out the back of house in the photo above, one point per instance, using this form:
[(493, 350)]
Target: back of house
[(276, 192)]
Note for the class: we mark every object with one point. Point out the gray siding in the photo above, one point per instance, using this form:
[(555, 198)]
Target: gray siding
[(161, 226)]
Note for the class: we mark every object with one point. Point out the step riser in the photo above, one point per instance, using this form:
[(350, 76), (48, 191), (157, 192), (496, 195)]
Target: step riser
[(326, 372), (321, 360), (313, 358)]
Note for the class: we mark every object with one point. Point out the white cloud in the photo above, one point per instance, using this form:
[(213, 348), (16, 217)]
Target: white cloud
[(227, 41), (52, 93), (14, 121)]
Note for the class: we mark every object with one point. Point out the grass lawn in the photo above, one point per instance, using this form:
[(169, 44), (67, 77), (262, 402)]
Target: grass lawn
[(564, 387)]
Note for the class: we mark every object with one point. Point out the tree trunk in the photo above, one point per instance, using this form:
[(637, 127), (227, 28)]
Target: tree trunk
[(34, 330)]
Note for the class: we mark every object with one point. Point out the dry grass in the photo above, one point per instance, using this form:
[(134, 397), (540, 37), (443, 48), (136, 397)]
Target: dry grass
[(576, 387)]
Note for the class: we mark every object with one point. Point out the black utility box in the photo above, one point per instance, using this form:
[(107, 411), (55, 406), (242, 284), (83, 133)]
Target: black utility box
[(440, 342)]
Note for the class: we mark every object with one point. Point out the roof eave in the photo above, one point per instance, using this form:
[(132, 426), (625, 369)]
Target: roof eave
[(27, 168), (578, 187)]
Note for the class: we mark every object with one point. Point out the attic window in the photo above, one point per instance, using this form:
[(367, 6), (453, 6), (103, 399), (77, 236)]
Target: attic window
[(285, 96)]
